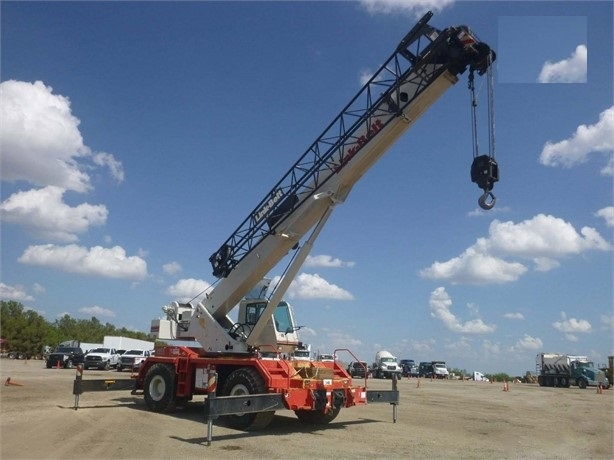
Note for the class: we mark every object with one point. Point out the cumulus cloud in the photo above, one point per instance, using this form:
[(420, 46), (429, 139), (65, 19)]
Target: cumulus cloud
[(607, 214), (16, 293), (572, 325), (186, 289), (474, 267), (514, 315), (97, 311), (313, 286), (172, 268), (570, 70), (326, 261), (41, 142), (412, 7), (440, 303), (338, 339), (598, 138), (544, 240), (95, 261), (491, 347), (44, 214), (607, 321), (528, 342)]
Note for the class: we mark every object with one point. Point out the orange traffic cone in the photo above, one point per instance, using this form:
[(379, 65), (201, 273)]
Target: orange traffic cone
[(57, 365), (505, 386), (418, 384), (8, 382), (599, 389)]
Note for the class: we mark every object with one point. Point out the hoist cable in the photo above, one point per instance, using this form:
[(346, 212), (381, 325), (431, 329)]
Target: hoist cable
[(491, 107), (474, 122)]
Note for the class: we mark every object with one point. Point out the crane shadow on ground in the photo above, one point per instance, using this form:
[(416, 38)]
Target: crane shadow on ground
[(282, 425)]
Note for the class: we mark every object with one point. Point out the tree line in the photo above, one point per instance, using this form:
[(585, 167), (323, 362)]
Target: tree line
[(28, 332)]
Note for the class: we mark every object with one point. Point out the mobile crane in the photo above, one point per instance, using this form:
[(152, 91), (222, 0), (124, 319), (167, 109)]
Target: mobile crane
[(241, 366)]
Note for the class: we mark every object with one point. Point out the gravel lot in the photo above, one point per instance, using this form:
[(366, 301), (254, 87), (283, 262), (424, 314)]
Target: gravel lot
[(441, 419)]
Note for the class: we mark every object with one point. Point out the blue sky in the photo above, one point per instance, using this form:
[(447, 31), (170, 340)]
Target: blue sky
[(137, 136)]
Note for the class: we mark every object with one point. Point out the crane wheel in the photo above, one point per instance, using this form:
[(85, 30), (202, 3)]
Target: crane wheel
[(159, 388), (316, 417), (246, 381)]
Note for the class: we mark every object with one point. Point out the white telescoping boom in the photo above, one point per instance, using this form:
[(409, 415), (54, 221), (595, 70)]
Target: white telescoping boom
[(424, 65)]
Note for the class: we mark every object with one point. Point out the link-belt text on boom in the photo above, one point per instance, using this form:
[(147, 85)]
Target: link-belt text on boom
[(376, 127), (270, 204)]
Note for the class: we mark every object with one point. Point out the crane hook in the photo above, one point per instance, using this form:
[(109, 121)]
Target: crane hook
[(484, 203)]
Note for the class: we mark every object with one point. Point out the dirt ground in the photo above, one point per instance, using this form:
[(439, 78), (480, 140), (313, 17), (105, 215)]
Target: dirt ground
[(437, 419)]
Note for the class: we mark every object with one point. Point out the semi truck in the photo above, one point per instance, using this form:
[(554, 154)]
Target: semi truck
[(562, 370), (386, 366), (440, 371), (243, 367)]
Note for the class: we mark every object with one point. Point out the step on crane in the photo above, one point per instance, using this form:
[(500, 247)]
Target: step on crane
[(244, 367)]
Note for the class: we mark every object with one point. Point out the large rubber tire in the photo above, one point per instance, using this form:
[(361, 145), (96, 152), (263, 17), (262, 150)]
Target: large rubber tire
[(68, 364), (246, 381), (314, 417), (582, 383), (159, 388), (564, 382), (107, 366)]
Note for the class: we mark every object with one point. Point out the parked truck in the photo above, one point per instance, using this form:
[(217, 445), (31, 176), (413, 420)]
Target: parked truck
[(386, 366), (67, 355), (440, 371), (101, 358), (562, 370)]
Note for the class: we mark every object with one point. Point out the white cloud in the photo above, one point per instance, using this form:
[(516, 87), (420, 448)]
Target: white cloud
[(607, 320), (41, 142), (326, 261), (97, 311), (514, 315), (587, 139), (440, 303), (172, 268), (365, 76), (186, 289), (473, 267), (491, 347), (528, 342), (607, 214), (44, 214), (414, 7), (542, 236), (308, 286), (95, 261), (543, 239), (572, 325), (337, 339), (16, 293), (115, 167), (570, 70)]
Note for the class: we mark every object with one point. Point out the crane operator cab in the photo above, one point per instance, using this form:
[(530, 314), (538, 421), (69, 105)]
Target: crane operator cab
[(279, 336), (280, 333)]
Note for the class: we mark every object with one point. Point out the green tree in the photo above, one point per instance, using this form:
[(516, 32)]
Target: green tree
[(25, 330)]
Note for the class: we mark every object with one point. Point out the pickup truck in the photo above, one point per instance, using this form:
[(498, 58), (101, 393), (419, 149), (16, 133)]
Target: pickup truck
[(101, 358), (132, 359), (66, 357)]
